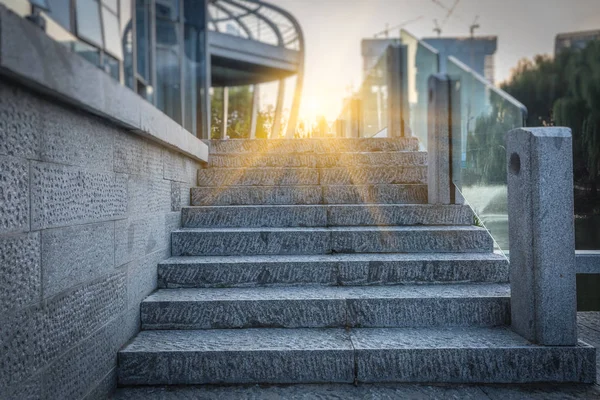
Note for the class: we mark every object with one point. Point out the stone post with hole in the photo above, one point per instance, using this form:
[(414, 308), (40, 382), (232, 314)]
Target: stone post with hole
[(542, 235)]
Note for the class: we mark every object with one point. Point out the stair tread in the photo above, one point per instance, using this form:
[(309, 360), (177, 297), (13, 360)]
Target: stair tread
[(450, 291), (333, 257), (435, 228), (310, 339)]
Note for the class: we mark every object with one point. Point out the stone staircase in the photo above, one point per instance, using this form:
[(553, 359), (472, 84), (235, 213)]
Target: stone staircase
[(312, 261)]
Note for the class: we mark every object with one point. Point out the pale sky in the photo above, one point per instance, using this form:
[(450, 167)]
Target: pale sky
[(334, 29)]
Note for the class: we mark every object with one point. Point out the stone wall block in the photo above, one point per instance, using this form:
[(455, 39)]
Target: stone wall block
[(134, 155), (75, 255), (19, 122), (71, 375), (542, 235), (63, 196), (148, 196), (179, 168), (14, 195), (134, 238), (20, 272), (74, 138), (142, 276)]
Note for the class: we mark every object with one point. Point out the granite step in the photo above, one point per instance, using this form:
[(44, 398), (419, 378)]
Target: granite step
[(218, 178), (331, 270), (324, 215), (324, 307), (315, 194), (345, 240), (312, 160), (286, 146), (280, 356)]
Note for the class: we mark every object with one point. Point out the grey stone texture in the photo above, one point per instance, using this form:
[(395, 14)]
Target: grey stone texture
[(297, 241), (64, 195), (14, 195), (322, 216), (443, 355), (20, 272), (388, 391), (466, 355), (316, 146), (540, 199), (331, 270), (237, 356), (74, 255), (86, 209), (322, 307), (310, 160)]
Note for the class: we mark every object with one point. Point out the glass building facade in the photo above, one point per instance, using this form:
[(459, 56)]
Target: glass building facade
[(161, 49)]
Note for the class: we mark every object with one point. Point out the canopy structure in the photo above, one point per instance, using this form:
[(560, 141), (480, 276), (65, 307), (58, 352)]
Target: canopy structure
[(252, 42)]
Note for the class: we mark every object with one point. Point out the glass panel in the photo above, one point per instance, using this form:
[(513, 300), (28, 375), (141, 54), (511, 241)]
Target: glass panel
[(168, 9), (423, 61), (88, 21), (240, 112), (111, 66), (168, 72), (143, 39), (88, 52), (113, 5), (112, 36), (60, 11), (486, 114), (374, 100), (43, 4), (127, 42), (190, 77), (59, 33), (166, 33)]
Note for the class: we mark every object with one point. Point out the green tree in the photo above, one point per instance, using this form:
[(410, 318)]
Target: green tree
[(565, 91)]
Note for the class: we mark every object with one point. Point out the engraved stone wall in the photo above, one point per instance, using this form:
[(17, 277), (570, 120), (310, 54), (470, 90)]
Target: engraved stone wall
[(86, 211)]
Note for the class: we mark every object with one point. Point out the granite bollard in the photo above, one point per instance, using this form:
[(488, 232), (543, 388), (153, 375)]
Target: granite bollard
[(542, 235)]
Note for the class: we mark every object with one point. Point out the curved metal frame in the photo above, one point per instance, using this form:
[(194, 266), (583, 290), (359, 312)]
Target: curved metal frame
[(277, 30)]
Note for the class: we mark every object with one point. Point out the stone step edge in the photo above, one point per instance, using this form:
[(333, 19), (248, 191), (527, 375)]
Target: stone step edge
[(325, 215), (359, 356), (331, 270)]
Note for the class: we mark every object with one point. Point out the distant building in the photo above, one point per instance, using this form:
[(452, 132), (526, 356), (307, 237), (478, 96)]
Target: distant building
[(477, 53), (372, 49), (574, 40)]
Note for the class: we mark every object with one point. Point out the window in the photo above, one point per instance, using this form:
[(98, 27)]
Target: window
[(143, 39), (88, 21), (111, 66), (88, 52), (60, 11), (112, 5), (112, 36)]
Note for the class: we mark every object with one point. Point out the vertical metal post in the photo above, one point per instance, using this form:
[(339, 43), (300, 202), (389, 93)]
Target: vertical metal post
[(398, 110), (255, 108), (225, 112), (276, 130)]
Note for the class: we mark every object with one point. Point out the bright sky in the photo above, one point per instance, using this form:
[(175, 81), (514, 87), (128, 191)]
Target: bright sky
[(334, 29)]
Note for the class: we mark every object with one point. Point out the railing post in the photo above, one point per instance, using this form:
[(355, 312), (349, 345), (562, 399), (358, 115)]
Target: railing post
[(542, 235), (398, 117), (443, 133)]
